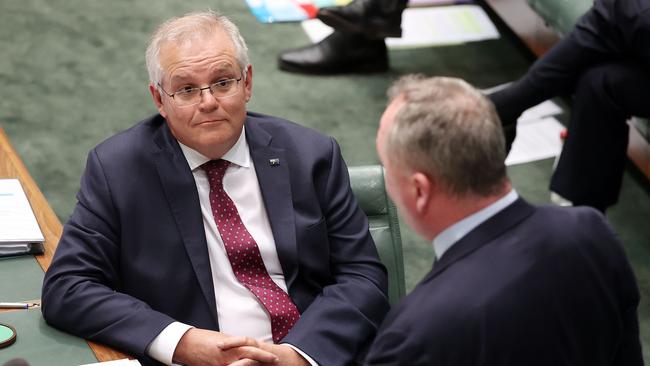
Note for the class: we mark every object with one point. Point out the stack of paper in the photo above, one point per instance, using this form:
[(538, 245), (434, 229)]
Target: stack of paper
[(19, 231)]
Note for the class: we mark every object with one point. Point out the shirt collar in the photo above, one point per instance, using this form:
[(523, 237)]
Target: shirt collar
[(238, 154), (448, 237)]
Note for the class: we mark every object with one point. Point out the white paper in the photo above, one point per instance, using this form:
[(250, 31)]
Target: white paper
[(17, 221), (425, 27), (536, 140), (122, 362), (545, 109)]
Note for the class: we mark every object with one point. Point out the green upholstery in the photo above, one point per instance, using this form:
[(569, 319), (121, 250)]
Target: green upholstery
[(368, 186), (560, 15)]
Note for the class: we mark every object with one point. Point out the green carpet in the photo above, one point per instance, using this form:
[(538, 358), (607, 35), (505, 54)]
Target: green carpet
[(72, 74)]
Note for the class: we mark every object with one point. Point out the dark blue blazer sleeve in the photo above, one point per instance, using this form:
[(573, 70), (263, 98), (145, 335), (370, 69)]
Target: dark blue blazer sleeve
[(81, 288)]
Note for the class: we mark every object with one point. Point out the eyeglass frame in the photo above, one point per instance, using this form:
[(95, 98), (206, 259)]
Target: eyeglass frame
[(209, 87)]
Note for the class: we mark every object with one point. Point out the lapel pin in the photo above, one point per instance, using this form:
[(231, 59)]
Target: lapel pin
[(274, 162)]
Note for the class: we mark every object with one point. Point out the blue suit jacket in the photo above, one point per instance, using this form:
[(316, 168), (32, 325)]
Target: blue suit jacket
[(133, 257), (530, 286)]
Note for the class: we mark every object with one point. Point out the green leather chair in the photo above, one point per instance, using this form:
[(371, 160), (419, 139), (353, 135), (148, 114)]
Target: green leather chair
[(368, 186), (560, 15)]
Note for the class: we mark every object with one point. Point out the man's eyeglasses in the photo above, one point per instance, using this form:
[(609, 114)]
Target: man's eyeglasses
[(188, 96)]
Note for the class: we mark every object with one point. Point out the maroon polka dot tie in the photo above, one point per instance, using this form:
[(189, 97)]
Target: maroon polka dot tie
[(244, 255)]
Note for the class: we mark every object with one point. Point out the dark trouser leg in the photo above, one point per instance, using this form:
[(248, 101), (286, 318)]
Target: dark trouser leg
[(376, 19), (392, 6), (555, 73), (591, 165)]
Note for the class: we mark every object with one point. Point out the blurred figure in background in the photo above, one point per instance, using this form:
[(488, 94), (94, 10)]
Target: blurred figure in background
[(604, 61)]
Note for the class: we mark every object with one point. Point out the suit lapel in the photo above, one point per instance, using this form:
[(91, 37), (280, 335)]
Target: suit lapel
[(482, 234), (180, 191), (272, 169)]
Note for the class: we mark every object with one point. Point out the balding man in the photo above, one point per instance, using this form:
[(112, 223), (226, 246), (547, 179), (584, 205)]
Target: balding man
[(514, 283)]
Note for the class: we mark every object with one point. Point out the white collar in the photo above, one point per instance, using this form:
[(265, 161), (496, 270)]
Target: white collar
[(448, 237), (238, 154)]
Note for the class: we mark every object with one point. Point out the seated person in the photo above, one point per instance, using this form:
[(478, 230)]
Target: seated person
[(514, 283), (604, 62), (206, 221)]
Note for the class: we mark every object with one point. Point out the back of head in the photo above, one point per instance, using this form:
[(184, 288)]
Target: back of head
[(448, 130), (190, 27)]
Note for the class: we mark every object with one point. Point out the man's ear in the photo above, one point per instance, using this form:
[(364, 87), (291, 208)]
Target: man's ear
[(423, 187), (157, 99), (248, 83)]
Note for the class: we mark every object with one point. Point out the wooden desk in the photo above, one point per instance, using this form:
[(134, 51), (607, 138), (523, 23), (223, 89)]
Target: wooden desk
[(12, 167)]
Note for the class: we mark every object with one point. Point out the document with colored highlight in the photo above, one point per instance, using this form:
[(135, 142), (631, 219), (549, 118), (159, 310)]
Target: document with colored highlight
[(19, 230)]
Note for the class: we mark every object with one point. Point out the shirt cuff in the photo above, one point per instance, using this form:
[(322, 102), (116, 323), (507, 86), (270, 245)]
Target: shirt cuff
[(163, 346), (303, 354)]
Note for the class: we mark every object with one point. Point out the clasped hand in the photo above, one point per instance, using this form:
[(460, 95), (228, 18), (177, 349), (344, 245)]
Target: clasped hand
[(205, 347)]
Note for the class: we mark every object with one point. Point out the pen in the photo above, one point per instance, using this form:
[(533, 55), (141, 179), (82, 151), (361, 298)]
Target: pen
[(14, 305)]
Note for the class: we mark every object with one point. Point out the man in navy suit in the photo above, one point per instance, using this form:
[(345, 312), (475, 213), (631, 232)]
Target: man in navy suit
[(147, 263), (604, 62), (514, 283)]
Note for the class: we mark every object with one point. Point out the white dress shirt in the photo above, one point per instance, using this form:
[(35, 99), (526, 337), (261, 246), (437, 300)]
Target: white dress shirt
[(238, 310), (448, 237)]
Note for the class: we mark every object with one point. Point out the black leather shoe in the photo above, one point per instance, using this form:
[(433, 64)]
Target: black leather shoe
[(338, 53), (365, 17)]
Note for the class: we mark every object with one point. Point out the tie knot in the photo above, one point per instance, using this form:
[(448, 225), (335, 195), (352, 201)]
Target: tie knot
[(216, 169)]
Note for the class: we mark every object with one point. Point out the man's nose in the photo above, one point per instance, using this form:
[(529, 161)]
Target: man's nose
[(208, 101)]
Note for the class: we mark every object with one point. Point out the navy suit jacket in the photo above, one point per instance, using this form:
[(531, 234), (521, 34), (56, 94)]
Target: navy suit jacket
[(133, 256), (530, 286), (614, 29)]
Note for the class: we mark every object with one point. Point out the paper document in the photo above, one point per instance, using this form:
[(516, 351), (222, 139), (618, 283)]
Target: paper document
[(273, 11), (538, 133), (19, 230), (426, 27), (536, 139), (542, 110), (122, 362)]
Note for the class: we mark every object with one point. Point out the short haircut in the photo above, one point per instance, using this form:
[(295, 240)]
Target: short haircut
[(186, 28), (449, 130)]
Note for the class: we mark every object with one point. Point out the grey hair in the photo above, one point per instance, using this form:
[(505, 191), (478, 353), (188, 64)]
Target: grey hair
[(448, 130), (186, 28)]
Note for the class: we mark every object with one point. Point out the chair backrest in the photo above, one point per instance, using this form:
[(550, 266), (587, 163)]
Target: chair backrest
[(368, 186), (560, 15)]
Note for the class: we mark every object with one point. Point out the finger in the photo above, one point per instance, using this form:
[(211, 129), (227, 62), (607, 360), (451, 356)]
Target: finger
[(232, 342), (245, 362), (256, 354)]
